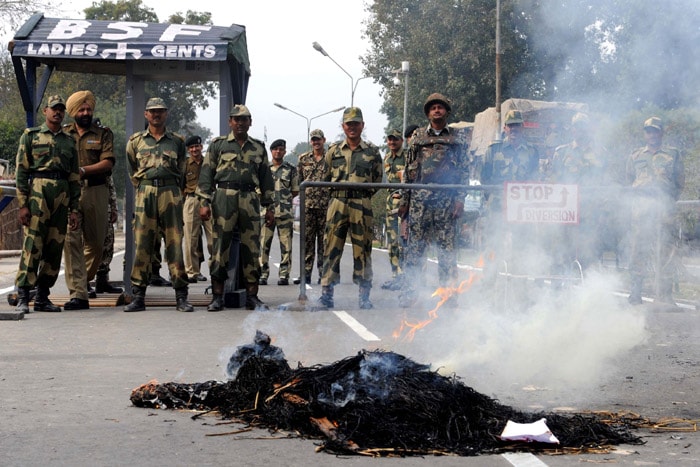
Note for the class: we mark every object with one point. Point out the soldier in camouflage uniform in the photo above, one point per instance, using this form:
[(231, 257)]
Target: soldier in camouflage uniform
[(234, 183), (312, 167), (510, 160), (193, 223), (394, 165), (156, 159), (83, 248), (351, 160), (656, 175), (286, 188), (48, 189), (434, 156), (581, 162), (102, 284)]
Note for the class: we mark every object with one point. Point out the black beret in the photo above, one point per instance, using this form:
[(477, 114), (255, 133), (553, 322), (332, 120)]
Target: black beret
[(192, 140), (277, 143)]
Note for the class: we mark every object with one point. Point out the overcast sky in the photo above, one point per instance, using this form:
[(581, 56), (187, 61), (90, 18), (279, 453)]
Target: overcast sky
[(285, 68)]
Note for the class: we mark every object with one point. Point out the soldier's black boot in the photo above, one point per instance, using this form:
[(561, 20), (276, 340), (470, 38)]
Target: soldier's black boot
[(102, 285), (181, 298), (252, 302), (217, 301), (42, 302), (138, 300), (364, 302), (326, 298), (22, 300)]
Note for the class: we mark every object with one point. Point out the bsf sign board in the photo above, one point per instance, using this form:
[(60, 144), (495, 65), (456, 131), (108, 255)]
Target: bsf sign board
[(541, 203)]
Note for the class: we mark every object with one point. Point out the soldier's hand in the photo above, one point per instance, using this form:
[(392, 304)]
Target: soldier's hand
[(113, 216), (205, 213), (269, 218), (458, 210), (25, 216), (73, 223), (403, 210)]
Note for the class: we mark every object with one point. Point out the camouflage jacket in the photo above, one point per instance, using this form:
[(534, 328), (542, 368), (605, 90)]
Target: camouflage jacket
[(95, 145), (503, 162), (150, 158), (582, 165), (309, 169), (660, 170), (286, 187), (436, 159), (227, 161), (394, 165), (40, 150), (361, 165)]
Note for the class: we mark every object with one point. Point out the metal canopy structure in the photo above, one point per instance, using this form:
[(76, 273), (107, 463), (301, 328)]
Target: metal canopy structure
[(141, 52)]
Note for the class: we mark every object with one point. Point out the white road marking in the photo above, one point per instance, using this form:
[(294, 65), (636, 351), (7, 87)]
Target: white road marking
[(523, 459), (355, 325)]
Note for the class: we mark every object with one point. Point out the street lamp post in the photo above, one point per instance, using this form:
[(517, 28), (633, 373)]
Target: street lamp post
[(404, 70), (308, 120), (353, 82)]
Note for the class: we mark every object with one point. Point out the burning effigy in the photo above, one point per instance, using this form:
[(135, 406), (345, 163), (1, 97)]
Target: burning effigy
[(374, 403)]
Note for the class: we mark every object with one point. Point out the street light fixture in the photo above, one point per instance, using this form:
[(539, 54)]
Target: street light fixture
[(308, 120), (353, 82)]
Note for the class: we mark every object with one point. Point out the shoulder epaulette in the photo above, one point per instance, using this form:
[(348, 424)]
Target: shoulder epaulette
[(178, 136), (256, 140), (138, 134), (34, 128)]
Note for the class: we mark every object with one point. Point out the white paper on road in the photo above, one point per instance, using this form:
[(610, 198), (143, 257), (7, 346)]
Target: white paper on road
[(535, 431)]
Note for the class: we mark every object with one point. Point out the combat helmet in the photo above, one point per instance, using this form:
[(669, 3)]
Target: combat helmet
[(437, 97)]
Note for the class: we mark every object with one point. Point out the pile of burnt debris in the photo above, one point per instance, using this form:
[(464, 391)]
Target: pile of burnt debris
[(376, 403)]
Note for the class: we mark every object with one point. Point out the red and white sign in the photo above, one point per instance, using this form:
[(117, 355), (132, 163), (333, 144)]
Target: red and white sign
[(541, 203)]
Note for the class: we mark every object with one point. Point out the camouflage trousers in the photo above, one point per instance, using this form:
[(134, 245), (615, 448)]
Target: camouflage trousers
[(353, 216), (193, 235), (236, 210), (315, 225), (653, 248), (285, 228), (83, 247), (158, 209), (107, 251), (393, 230), (42, 246), (430, 222)]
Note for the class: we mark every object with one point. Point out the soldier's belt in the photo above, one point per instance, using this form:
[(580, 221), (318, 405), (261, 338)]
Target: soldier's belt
[(350, 194), (236, 186), (95, 180), (51, 175), (158, 182)]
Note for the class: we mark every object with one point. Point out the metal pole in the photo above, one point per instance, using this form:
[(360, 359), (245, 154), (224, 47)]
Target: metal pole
[(498, 68), (405, 68)]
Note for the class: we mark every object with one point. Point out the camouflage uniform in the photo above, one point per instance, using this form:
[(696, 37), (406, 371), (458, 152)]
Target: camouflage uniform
[(157, 167), (657, 179), (48, 184), (315, 210), (193, 223), (83, 247), (582, 165), (286, 183), (394, 165), (504, 162), (108, 246), (230, 178), (433, 158), (350, 210)]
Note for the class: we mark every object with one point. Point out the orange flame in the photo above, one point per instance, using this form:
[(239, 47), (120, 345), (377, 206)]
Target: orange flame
[(445, 293)]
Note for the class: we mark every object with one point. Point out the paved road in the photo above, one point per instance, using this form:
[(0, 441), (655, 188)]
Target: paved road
[(66, 378)]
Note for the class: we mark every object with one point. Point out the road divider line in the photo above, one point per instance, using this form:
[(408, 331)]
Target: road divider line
[(356, 326), (523, 459)]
